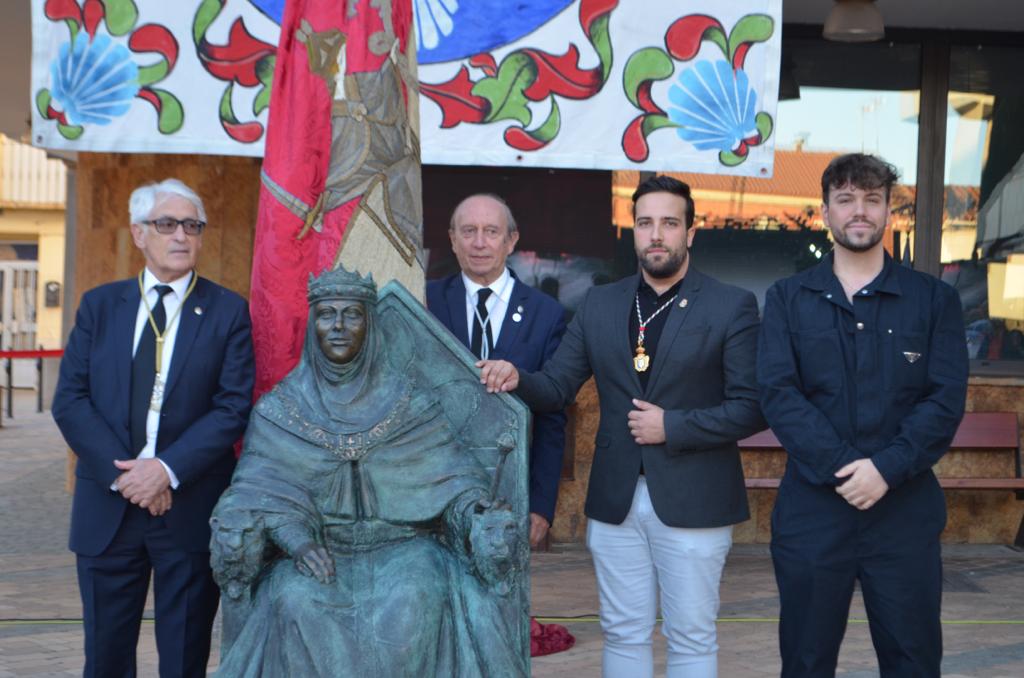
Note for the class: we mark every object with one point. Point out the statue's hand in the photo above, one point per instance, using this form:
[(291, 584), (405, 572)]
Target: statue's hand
[(493, 539), (313, 560)]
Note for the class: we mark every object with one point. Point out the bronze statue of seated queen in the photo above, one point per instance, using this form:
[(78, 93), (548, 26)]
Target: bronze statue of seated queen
[(363, 534)]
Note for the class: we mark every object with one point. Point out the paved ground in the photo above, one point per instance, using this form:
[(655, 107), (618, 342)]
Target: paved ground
[(40, 631)]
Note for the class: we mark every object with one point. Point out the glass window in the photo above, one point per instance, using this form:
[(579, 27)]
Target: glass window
[(834, 99), (983, 219)]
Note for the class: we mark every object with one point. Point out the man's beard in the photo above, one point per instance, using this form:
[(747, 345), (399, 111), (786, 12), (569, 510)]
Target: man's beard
[(839, 235), (668, 267)]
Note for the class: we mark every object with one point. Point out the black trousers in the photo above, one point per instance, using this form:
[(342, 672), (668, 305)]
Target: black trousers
[(113, 586), (820, 548)]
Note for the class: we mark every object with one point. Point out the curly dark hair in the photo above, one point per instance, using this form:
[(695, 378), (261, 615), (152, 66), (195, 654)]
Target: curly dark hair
[(859, 170)]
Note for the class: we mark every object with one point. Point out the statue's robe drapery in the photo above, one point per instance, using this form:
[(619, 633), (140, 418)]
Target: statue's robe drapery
[(379, 480)]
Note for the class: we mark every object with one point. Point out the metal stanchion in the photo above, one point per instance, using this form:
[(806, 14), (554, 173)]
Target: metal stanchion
[(39, 382), (10, 388)]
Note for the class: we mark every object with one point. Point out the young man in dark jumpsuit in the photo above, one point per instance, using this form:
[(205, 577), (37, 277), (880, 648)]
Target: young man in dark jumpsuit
[(863, 372)]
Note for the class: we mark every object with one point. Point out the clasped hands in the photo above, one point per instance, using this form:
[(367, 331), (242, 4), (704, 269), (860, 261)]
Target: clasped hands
[(145, 482), (864, 485)]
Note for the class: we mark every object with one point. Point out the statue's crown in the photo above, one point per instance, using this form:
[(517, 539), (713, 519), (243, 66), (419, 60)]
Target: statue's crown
[(339, 283)]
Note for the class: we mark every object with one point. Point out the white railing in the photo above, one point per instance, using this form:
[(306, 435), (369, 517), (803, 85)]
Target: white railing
[(28, 179)]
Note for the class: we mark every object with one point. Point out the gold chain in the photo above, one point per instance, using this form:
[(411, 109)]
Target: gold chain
[(152, 321)]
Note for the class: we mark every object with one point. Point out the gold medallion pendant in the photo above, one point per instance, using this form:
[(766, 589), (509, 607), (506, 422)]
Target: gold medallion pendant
[(641, 361)]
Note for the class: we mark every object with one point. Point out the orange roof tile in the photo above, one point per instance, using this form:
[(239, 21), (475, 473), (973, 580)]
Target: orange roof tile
[(797, 173)]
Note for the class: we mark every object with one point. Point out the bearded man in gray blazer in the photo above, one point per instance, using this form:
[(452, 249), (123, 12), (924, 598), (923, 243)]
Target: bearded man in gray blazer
[(673, 354)]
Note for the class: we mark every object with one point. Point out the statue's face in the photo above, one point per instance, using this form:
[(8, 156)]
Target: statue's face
[(340, 328)]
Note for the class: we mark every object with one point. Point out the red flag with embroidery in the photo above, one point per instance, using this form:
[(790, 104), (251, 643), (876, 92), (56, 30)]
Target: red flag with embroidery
[(340, 154)]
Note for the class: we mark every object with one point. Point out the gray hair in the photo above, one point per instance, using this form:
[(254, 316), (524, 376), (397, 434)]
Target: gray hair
[(144, 199), (509, 219)]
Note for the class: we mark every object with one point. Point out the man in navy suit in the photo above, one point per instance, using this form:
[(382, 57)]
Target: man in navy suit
[(155, 388), (497, 316)]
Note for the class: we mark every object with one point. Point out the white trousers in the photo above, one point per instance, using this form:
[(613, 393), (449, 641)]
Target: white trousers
[(632, 561)]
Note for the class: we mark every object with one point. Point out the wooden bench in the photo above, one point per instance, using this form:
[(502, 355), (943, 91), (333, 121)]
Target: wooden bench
[(988, 431)]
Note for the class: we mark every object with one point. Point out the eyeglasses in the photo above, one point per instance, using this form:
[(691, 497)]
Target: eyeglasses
[(168, 225)]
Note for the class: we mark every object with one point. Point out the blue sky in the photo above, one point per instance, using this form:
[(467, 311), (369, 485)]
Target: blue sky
[(880, 122)]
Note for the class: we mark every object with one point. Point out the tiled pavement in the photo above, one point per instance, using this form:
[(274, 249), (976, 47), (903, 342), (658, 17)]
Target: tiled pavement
[(40, 634)]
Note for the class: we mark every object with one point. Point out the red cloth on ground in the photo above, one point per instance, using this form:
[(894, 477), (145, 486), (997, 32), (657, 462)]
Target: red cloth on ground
[(549, 638)]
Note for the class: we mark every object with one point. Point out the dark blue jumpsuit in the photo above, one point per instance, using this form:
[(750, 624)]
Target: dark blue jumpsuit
[(885, 378)]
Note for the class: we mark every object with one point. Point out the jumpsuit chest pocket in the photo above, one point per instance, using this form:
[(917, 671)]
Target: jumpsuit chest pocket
[(820, 360), (905, 361)]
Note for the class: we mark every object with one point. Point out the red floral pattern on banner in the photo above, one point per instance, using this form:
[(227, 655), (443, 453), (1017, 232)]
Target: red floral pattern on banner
[(523, 76)]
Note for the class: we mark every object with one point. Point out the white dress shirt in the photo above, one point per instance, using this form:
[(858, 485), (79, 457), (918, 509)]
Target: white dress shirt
[(497, 303), (172, 301)]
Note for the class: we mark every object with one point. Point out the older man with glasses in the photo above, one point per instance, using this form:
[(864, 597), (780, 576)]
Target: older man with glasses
[(155, 388)]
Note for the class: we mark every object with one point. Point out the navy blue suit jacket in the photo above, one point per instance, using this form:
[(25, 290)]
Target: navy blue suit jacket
[(206, 406), (527, 344)]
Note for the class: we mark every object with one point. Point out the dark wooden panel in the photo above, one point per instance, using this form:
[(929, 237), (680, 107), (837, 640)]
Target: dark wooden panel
[(559, 211)]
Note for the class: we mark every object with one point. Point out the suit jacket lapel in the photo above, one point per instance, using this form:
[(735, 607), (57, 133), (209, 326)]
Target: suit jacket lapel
[(455, 297), (509, 327), (188, 326), (620, 325), (124, 341), (677, 315)]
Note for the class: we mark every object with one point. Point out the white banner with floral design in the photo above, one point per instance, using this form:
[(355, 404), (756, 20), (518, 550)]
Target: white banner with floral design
[(610, 84), (189, 76)]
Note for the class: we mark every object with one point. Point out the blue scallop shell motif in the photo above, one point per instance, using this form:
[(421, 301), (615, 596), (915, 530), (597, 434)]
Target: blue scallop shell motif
[(714, 106), (449, 30), (94, 81), (434, 21)]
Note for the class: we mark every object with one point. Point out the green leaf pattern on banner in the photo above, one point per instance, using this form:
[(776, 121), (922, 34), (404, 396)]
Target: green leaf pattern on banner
[(227, 111), (265, 72), (655, 122), (730, 159), (751, 28), (172, 115), (601, 39), (155, 73), (650, 63), (71, 132), (715, 35), (205, 15), (120, 16), (43, 99), (551, 126), (505, 91), (765, 125)]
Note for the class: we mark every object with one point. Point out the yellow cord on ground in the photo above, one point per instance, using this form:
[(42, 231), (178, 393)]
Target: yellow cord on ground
[(775, 620)]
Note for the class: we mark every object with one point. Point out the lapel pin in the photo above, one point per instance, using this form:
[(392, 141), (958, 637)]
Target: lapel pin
[(198, 310), (519, 308), (683, 303), (516, 317)]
